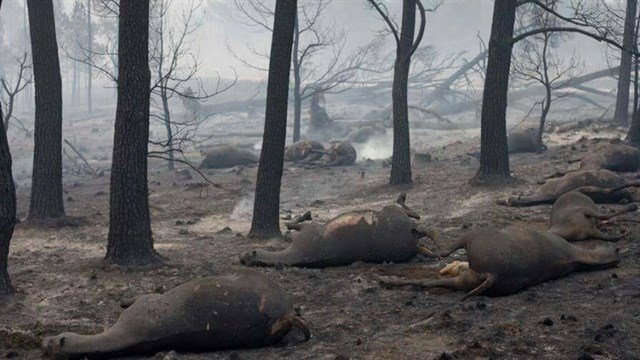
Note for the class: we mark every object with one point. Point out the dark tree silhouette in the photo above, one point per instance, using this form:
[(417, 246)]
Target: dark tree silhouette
[(266, 207), (621, 116), (46, 186), (405, 47), (130, 240), (7, 207), (494, 156)]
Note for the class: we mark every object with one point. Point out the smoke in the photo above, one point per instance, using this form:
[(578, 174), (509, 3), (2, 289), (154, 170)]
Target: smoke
[(378, 147), (243, 210)]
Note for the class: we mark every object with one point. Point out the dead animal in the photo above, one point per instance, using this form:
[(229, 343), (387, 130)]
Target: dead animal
[(303, 151), (341, 153), (503, 262), (242, 310), (364, 133), (574, 217), (603, 186), (524, 141), (227, 156), (612, 157), (388, 235)]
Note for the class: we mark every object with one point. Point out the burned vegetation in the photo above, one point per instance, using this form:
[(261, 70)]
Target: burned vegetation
[(333, 198)]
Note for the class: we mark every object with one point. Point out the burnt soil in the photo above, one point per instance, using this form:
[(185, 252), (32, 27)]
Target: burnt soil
[(61, 285)]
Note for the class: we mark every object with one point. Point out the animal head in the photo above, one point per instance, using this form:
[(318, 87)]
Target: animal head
[(55, 347), (252, 258)]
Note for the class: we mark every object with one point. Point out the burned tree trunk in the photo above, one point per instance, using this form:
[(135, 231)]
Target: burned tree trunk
[(266, 207), (494, 156), (621, 116), (130, 240), (297, 84), (401, 159), (46, 186), (7, 207)]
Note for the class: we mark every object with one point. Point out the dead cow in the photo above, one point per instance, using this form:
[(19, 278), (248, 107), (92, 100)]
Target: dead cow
[(503, 262), (574, 217), (524, 141), (341, 153), (304, 151), (603, 186), (227, 156), (388, 235), (614, 157)]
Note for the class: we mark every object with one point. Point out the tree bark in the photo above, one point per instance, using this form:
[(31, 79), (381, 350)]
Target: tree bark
[(46, 186), (297, 84), (494, 156), (621, 116), (7, 207), (130, 242), (266, 208), (401, 158), (90, 51)]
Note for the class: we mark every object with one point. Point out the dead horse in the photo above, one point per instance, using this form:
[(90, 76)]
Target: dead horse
[(242, 310), (503, 262)]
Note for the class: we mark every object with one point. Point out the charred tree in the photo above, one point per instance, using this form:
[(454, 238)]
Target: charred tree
[(89, 67), (130, 241), (405, 47), (266, 208), (621, 116), (494, 156), (7, 207), (46, 186)]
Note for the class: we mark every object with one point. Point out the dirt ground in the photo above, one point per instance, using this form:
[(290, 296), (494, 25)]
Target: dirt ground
[(596, 315)]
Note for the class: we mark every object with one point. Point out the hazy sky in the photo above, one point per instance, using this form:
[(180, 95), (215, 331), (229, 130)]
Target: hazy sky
[(453, 27)]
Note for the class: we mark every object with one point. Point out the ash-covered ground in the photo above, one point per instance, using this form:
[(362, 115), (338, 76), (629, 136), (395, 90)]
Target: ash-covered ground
[(62, 286)]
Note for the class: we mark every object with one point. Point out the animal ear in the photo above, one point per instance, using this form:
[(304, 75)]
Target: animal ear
[(62, 341)]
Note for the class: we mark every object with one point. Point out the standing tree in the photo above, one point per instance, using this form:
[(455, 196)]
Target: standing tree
[(11, 89), (89, 51), (494, 155), (621, 116), (7, 207), (313, 37), (536, 59), (130, 240), (405, 47), (266, 207), (46, 186)]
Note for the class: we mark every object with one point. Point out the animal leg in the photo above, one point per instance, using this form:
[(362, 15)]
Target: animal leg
[(302, 326), (600, 235), (424, 251), (296, 224), (401, 201), (451, 283), (486, 285)]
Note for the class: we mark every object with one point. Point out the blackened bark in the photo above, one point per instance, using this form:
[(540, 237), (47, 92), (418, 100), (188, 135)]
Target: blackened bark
[(633, 136), (297, 84), (7, 207), (46, 186), (130, 240), (494, 156), (401, 159), (266, 207), (621, 116)]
